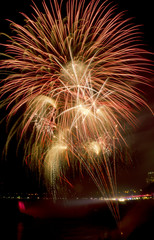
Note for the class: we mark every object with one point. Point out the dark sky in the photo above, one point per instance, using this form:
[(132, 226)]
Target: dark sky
[(141, 139)]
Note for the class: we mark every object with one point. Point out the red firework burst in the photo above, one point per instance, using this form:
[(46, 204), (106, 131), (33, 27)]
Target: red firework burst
[(75, 77)]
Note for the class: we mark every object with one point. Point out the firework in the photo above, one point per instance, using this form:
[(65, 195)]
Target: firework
[(73, 82)]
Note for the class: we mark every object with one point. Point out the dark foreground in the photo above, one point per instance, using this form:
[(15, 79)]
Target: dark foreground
[(74, 220)]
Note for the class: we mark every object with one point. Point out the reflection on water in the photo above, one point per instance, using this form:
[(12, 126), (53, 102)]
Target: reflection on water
[(97, 224), (66, 230)]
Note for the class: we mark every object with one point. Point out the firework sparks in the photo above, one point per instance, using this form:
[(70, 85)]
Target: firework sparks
[(75, 77)]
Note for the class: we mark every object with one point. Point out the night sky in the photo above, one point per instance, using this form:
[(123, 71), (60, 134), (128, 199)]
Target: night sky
[(13, 177)]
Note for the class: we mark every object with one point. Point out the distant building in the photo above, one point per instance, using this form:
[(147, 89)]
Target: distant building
[(150, 178)]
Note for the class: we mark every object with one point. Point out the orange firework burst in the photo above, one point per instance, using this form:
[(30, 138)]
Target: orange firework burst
[(75, 77)]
